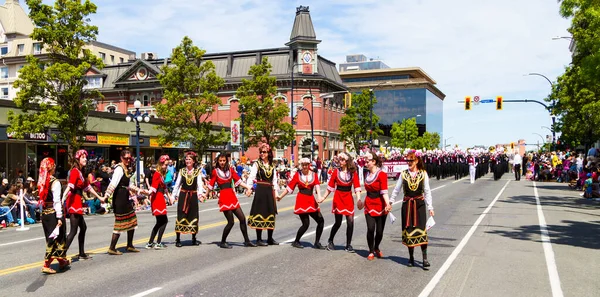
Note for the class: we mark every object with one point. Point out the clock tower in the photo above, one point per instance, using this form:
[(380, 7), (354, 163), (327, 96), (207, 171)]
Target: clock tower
[(303, 43)]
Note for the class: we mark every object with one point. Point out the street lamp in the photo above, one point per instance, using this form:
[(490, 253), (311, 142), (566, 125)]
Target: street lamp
[(371, 108), (551, 109), (137, 116), (405, 124), (292, 110), (312, 132), (543, 140), (562, 37), (445, 140), (242, 116)]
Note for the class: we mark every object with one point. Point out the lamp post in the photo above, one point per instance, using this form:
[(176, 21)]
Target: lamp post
[(405, 124), (137, 116), (312, 132), (292, 110), (551, 109), (445, 140), (243, 116)]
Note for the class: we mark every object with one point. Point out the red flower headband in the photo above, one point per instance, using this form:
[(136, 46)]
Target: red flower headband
[(80, 153)]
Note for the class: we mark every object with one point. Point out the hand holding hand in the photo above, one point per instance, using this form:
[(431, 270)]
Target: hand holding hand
[(388, 207), (59, 223), (248, 193)]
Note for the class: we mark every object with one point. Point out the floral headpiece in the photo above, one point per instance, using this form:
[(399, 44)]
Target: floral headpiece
[(44, 180), (164, 158), (80, 153)]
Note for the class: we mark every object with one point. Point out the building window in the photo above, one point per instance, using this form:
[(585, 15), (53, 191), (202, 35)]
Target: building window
[(102, 56), (4, 93), (3, 50), (3, 72), (93, 83), (146, 100), (121, 60), (19, 69), (112, 59), (21, 49), (111, 109), (37, 48)]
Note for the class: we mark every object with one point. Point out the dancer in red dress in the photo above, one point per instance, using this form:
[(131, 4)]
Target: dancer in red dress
[(306, 204), (74, 193), (224, 175), (376, 204), (341, 183), (158, 191)]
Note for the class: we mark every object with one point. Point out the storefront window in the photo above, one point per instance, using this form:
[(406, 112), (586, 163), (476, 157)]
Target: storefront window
[(17, 159), (44, 151), (62, 162), (31, 161)]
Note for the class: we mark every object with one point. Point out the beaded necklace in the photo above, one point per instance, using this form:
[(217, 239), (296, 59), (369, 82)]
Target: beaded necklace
[(125, 171)]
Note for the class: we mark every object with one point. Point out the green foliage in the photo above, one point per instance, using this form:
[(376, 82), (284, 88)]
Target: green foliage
[(404, 133), (577, 91), (428, 141), (190, 92), (356, 123), (264, 115), (51, 90)]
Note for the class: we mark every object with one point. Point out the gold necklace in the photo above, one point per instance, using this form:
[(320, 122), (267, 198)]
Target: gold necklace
[(189, 179), (125, 171), (266, 168), (413, 182)]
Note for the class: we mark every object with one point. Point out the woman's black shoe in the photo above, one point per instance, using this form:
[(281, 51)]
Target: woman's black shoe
[(224, 245), (426, 265), (318, 246), (330, 246), (411, 263), (297, 245), (196, 242), (178, 243), (249, 244), (261, 243), (272, 242)]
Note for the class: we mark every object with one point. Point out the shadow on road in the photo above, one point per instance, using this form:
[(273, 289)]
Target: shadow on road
[(566, 202), (579, 234)]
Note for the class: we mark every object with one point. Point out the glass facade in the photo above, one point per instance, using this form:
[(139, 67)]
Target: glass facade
[(393, 106)]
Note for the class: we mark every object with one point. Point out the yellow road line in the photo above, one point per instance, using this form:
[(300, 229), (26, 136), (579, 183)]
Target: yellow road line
[(104, 249)]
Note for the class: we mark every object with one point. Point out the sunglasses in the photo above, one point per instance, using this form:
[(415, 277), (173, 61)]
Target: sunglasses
[(410, 160), (264, 152)]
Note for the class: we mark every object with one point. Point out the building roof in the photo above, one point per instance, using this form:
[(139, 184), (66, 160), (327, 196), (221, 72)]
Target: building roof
[(14, 19), (303, 29)]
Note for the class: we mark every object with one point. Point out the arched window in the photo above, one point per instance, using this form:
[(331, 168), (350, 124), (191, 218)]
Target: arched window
[(112, 109)]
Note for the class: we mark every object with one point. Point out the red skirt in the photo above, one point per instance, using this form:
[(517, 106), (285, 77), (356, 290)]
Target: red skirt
[(305, 204), (228, 200), (74, 204), (159, 206), (343, 203), (375, 206)]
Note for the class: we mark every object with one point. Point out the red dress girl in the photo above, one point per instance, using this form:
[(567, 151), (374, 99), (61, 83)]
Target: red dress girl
[(77, 184), (227, 198), (305, 200), (376, 186), (341, 184), (157, 197)]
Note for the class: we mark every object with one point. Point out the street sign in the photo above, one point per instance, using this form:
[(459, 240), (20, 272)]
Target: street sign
[(488, 101), (476, 98)]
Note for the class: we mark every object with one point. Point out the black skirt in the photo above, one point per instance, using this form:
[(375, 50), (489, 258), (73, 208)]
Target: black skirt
[(414, 219), (187, 213), (264, 208), (55, 248), (125, 217)]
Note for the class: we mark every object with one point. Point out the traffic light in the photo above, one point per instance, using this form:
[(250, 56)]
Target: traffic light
[(499, 103), (512, 145), (468, 103), (347, 100)]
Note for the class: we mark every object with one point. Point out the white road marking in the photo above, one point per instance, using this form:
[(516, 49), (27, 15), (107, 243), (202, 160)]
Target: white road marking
[(548, 251), (27, 240), (148, 292), (438, 276), (344, 221)]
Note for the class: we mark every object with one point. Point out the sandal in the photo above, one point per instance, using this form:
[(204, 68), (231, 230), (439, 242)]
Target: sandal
[(48, 270)]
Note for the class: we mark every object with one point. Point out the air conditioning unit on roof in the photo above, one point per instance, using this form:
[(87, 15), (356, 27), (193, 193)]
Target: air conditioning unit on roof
[(149, 56)]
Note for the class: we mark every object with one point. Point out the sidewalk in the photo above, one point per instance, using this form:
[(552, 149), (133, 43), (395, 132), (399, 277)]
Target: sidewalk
[(505, 256)]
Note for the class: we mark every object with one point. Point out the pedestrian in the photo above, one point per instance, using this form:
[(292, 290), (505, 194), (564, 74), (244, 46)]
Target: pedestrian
[(124, 193), (306, 206), (342, 181), (413, 188), (376, 204), (517, 160), (264, 207), (224, 175), (53, 221), (188, 189), (74, 202), (158, 191)]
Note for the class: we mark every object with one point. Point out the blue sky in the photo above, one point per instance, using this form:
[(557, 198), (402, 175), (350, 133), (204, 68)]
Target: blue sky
[(470, 47)]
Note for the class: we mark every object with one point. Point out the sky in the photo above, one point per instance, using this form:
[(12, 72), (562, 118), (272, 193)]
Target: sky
[(469, 47)]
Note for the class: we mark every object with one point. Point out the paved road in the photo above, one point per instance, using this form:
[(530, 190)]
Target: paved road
[(491, 239)]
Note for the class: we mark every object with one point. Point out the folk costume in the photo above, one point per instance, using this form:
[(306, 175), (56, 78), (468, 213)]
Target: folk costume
[(375, 214), (52, 212), (306, 206), (341, 184), (188, 188), (159, 209), (264, 207), (74, 205), (413, 188), (227, 180), (122, 204)]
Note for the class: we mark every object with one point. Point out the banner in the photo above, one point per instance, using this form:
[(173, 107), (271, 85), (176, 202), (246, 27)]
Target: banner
[(113, 139), (393, 168), (235, 133)]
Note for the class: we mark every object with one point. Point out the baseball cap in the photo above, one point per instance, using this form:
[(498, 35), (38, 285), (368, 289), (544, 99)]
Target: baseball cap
[(5, 181)]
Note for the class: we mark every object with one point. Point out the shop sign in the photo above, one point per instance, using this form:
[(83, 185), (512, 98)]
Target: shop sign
[(154, 143), (30, 136), (91, 138), (113, 139), (144, 140)]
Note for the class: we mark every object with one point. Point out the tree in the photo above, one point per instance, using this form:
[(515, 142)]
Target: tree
[(404, 133), (190, 92), (264, 114), (356, 123), (577, 92), (51, 90), (428, 141)]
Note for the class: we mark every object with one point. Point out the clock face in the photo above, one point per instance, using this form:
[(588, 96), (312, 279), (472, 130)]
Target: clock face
[(307, 57)]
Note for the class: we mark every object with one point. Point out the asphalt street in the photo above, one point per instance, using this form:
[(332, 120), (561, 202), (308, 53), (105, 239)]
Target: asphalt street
[(491, 238)]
